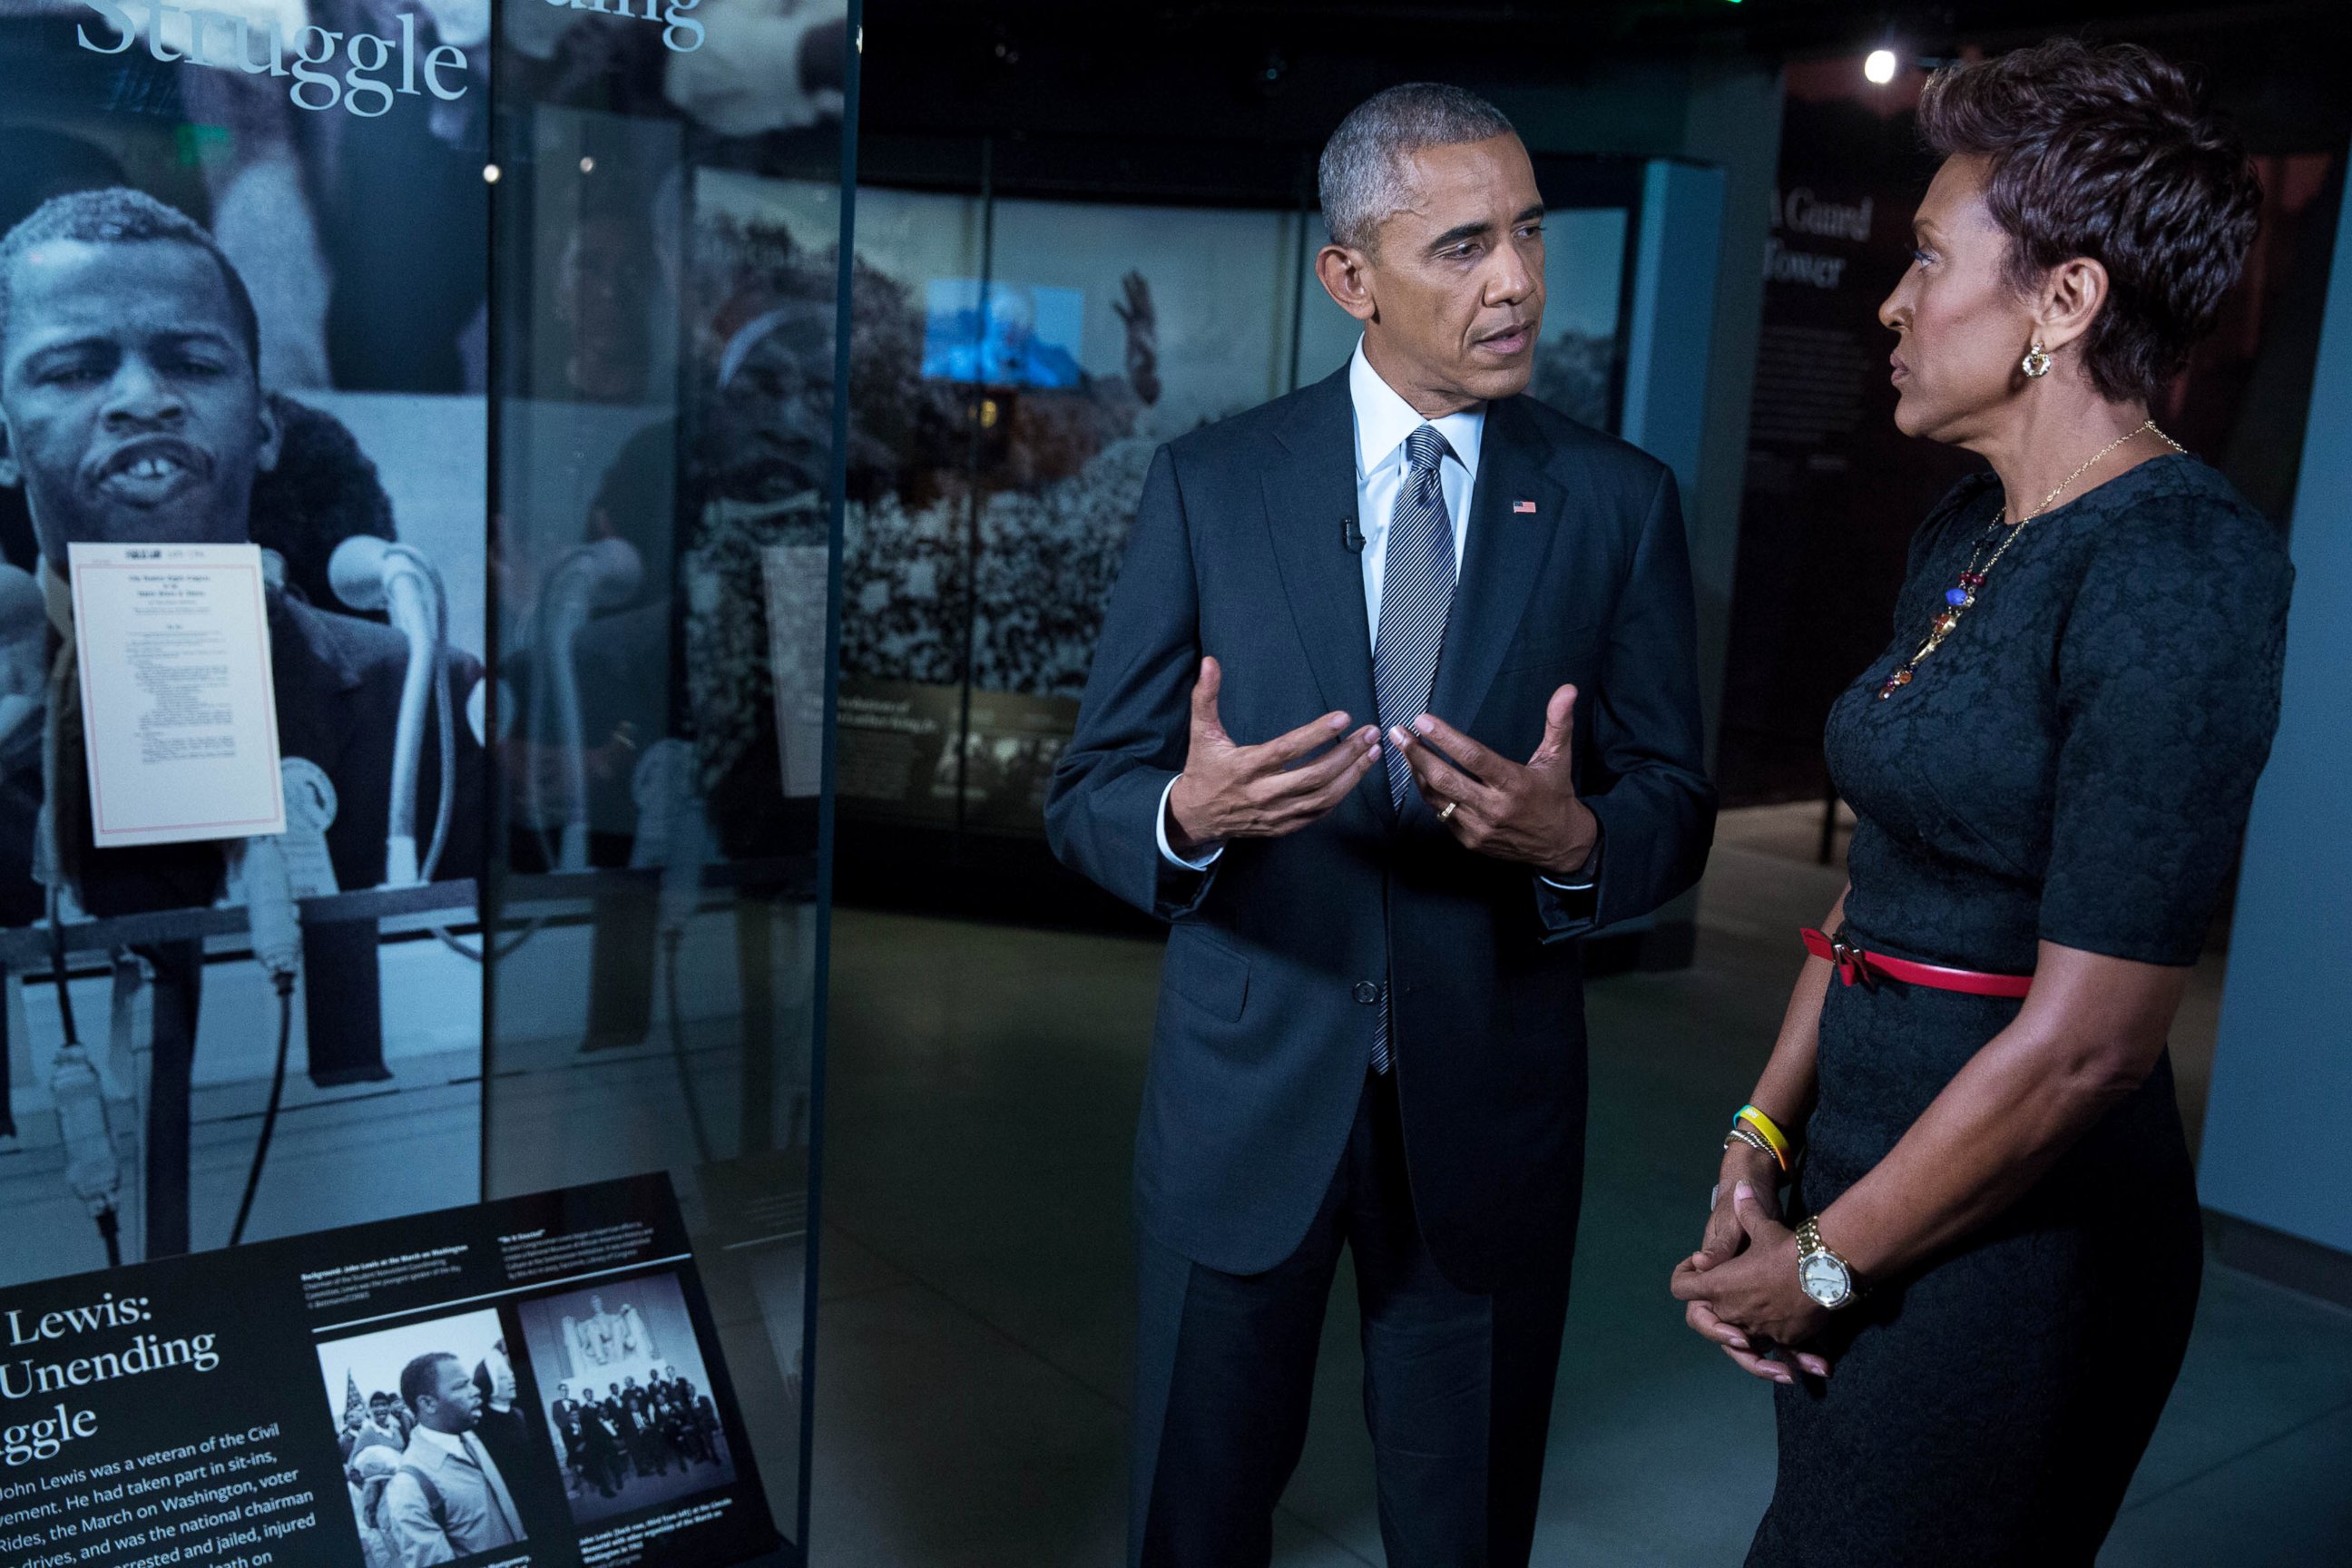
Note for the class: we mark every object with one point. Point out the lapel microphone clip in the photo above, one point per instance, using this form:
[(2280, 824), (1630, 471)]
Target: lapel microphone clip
[(1351, 536)]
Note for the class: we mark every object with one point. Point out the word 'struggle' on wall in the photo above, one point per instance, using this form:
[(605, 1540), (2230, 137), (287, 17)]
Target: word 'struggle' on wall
[(376, 70)]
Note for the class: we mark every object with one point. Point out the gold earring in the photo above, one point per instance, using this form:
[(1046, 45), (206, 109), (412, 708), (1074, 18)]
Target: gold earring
[(2036, 361)]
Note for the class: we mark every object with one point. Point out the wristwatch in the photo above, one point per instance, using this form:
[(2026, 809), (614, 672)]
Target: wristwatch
[(1822, 1273)]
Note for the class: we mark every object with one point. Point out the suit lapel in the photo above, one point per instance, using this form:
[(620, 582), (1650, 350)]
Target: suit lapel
[(1310, 495), (1503, 557)]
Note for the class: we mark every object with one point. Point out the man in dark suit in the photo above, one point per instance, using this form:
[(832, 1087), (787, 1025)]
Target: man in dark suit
[(1393, 702), (565, 1407), (131, 412), (600, 1433), (570, 1430), (706, 1428)]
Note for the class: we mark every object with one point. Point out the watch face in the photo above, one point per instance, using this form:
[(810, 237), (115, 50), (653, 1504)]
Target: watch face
[(1825, 1279)]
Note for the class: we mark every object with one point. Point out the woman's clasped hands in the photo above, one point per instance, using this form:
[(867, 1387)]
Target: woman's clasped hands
[(1740, 1288)]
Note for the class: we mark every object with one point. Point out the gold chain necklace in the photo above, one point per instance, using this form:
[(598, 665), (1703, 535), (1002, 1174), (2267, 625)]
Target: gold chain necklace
[(1959, 599)]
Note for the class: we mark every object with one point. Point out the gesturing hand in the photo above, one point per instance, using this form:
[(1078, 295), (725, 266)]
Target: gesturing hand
[(1525, 811), (1230, 791)]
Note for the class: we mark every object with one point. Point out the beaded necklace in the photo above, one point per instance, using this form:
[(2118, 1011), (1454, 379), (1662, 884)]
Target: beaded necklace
[(1959, 599)]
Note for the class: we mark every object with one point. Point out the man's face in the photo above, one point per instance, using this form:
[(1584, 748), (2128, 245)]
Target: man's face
[(457, 1404), (129, 409), (1452, 296), (1012, 322), (770, 430)]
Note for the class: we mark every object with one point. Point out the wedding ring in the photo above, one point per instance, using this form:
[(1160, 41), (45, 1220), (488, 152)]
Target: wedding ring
[(1445, 813)]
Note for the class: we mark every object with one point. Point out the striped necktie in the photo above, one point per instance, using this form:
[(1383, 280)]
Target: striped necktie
[(1416, 592)]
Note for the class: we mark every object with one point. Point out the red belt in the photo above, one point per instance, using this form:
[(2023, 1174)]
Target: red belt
[(1853, 963)]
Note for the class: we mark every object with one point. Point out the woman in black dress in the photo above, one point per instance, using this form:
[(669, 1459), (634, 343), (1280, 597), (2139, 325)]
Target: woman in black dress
[(1976, 1323)]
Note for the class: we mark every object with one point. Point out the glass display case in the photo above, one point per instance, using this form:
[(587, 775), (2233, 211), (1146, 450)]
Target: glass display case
[(425, 413)]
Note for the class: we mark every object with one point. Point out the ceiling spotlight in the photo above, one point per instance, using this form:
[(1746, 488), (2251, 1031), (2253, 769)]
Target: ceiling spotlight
[(1880, 67)]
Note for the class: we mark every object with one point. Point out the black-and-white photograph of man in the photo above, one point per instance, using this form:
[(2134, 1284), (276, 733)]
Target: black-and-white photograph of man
[(631, 1413), (133, 411), (328, 266), (447, 1472)]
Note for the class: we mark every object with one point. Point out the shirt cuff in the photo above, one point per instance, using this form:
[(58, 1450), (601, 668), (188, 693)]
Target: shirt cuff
[(1587, 878), (1159, 827)]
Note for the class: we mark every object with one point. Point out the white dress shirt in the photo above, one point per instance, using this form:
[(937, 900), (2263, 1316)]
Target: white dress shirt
[(1383, 420)]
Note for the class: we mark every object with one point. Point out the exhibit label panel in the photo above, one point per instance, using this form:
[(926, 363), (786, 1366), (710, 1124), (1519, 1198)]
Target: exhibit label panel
[(528, 1383)]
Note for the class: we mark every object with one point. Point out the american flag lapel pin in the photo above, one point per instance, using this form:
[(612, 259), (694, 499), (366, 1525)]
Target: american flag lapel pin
[(1526, 506)]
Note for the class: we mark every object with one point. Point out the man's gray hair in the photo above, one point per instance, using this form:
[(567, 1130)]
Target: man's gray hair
[(1362, 176)]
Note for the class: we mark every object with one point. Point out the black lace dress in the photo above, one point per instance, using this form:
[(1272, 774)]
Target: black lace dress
[(2074, 766)]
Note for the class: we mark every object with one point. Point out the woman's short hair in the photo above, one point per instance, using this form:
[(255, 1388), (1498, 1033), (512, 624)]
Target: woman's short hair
[(2107, 153)]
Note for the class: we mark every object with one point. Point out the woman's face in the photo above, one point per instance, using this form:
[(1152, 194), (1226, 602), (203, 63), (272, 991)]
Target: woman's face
[(1962, 327)]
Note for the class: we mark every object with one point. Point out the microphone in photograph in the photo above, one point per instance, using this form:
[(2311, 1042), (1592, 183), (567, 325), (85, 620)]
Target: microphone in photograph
[(276, 927), (1351, 536), (372, 573), (77, 1095), (673, 829), (674, 832), (599, 576), (270, 907)]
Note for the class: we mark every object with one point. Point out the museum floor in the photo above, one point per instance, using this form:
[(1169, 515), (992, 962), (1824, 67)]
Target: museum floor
[(974, 1344)]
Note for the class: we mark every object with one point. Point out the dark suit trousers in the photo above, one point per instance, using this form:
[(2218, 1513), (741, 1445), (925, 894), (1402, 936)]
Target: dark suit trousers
[(1457, 1387)]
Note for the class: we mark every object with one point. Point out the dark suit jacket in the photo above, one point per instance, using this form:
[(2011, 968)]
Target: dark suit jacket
[(1268, 999)]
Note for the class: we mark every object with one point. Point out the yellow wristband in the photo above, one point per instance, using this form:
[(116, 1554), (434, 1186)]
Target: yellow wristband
[(1770, 1131)]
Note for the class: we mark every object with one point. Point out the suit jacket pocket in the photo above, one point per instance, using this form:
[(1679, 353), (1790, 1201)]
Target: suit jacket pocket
[(1207, 973)]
